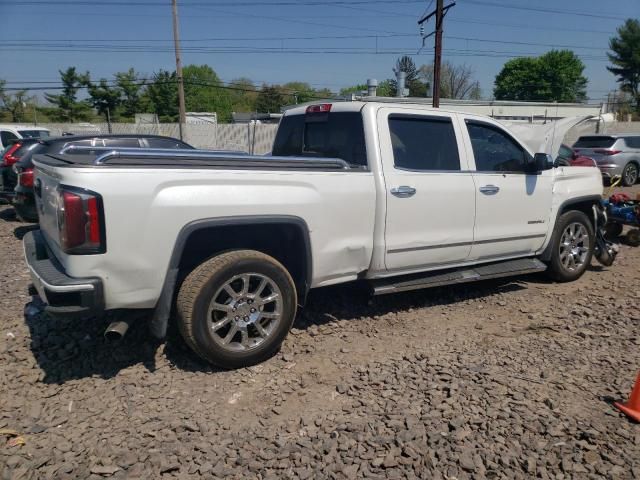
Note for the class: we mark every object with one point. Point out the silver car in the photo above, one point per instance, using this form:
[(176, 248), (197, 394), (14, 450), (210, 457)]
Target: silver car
[(616, 155)]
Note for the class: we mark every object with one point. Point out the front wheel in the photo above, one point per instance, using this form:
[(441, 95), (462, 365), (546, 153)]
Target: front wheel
[(630, 175), (235, 309), (572, 246)]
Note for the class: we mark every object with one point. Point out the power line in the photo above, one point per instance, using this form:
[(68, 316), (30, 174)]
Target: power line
[(240, 3), (149, 81), (250, 3), (579, 13), (99, 43), (276, 50)]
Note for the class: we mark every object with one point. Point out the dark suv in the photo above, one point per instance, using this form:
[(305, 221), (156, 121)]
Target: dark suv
[(10, 156), (20, 176)]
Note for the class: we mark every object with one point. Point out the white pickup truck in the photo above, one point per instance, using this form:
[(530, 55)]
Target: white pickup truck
[(395, 194)]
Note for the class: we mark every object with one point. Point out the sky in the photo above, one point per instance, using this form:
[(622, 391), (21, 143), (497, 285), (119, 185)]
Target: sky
[(333, 44)]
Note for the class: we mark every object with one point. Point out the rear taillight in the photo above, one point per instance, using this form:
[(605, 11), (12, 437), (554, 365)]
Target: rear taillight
[(9, 158), (607, 152), (80, 221), (25, 177)]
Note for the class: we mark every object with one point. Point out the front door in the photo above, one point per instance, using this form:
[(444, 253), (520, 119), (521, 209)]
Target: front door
[(512, 206), (429, 190)]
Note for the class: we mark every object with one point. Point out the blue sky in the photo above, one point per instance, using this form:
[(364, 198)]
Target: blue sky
[(40, 37)]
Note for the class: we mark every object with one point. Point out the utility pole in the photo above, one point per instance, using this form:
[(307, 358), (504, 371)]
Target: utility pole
[(437, 59), (439, 13), (176, 41)]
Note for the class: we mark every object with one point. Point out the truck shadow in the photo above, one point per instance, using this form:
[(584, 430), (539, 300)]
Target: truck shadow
[(71, 349), (351, 302)]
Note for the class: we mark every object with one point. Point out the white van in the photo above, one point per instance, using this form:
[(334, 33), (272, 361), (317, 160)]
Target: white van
[(11, 132)]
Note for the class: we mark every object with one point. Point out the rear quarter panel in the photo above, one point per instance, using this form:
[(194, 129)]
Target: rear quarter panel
[(145, 209)]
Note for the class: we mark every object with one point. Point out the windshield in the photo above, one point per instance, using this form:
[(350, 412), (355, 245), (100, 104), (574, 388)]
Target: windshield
[(34, 133), (594, 142), (332, 135)]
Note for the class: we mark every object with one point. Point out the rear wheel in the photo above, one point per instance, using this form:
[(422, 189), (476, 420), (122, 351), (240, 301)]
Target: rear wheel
[(630, 175), (236, 309), (572, 246)]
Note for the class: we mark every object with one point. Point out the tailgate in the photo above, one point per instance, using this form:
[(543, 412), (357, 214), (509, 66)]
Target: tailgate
[(46, 196)]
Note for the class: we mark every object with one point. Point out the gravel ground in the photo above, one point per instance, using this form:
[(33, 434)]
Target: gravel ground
[(502, 379)]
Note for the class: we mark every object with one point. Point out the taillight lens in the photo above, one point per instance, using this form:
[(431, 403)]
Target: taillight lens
[(81, 222), (25, 177), (607, 152)]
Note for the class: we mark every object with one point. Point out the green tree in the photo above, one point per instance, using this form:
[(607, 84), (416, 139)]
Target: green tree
[(556, 76), (298, 92), (16, 105), (104, 98), (323, 93), (625, 57), (270, 99), (163, 95), (131, 87), (243, 95), (386, 89), (416, 87), (204, 92), (357, 89), (68, 108)]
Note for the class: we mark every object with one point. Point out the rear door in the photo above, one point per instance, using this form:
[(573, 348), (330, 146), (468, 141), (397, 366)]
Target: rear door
[(512, 206), (429, 190)]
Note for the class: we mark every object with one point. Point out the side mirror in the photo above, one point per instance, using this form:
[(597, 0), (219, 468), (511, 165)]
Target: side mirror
[(540, 162)]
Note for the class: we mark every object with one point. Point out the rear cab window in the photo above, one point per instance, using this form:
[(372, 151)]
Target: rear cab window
[(595, 142), (324, 135)]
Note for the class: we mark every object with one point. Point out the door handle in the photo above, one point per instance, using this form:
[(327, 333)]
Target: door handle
[(489, 189), (403, 191)]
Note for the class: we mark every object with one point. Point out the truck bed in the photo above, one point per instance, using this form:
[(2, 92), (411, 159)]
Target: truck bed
[(92, 157)]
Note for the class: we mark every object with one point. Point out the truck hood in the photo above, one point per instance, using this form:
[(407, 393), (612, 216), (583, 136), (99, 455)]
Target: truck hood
[(546, 138)]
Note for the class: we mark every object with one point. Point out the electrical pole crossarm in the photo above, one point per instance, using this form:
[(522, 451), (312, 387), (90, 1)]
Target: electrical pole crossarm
[(439, 13)]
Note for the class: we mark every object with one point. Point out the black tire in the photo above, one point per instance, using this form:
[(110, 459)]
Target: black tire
[(630, 174), (206, 283), (633, 237), (613, 229), (558, 270)]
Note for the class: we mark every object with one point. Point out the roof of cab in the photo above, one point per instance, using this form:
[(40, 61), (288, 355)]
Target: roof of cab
[(356, 106)]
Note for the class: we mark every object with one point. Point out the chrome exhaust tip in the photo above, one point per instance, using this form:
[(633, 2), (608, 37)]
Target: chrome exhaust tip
[(116, 331)]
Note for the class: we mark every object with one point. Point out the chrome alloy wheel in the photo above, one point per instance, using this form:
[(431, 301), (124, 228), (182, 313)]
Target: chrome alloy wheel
[(574, 246), (245, 311)]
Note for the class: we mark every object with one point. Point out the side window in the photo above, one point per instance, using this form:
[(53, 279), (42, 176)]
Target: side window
[(632, 142), (423, 143), (494, 149), (122, 142), (7, 137), (164, 143)]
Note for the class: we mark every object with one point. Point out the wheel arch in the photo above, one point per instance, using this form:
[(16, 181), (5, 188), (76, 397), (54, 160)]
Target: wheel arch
[(284, 237), (582, 204)]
